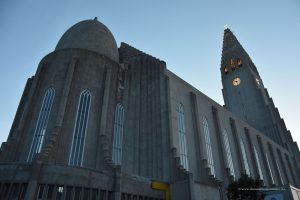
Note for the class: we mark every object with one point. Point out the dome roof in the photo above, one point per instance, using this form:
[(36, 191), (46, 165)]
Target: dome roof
[(91, 35)]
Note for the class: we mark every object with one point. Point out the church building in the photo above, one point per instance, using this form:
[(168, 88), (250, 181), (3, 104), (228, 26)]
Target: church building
[(102, 122)]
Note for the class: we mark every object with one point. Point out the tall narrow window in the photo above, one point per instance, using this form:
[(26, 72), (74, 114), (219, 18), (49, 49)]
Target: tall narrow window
[(231, 62), (225, 69), (182, 137), (258, 164), (239, 62), (41, 125), (279, 171), (245, 160), (269, 167), (228, 153), (118, 134), (81, 123), (210, 159)]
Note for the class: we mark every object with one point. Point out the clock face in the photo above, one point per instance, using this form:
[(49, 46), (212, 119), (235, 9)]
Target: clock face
[(236, 81)]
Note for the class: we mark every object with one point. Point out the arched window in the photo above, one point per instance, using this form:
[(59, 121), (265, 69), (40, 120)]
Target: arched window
[(210, 159), (239, 62), (228, 153), (118, 134), (81, 123), (245, 160), (182, 137), (258, 164), (231, 62), (269, 167), (41, 125), (225, 69)]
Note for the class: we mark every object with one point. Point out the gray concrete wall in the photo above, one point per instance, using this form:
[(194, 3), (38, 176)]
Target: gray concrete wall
[(89, 72), (180, 92), (206, 192), (146, 149)]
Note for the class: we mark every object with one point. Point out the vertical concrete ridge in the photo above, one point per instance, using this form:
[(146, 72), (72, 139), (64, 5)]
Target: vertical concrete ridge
[(104, 140), (28, 106), (8, 148)]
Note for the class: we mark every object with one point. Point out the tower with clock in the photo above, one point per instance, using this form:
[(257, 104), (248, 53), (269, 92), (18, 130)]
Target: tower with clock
[(244, 93)]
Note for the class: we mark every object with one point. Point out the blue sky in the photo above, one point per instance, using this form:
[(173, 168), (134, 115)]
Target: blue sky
[(186, 34)]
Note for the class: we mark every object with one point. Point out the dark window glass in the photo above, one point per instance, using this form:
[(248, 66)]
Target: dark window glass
[(23, 190), (109, 196), (15, 191), (59, 193), (95, 194), (69, 193), (77, 193), (86, 193), (40, 192), (50, 192), (5, 190), (102, 195)]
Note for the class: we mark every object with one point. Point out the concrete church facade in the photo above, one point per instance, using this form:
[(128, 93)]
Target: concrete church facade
[(101, 122)]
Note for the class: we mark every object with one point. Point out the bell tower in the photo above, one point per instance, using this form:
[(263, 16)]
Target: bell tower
[(244, 92)]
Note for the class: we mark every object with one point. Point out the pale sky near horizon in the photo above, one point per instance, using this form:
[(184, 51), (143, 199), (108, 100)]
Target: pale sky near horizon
[(187, 35)]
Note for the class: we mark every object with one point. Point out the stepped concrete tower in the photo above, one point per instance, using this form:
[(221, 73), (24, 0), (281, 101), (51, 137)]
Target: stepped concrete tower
[(244, 92), (99, 122)]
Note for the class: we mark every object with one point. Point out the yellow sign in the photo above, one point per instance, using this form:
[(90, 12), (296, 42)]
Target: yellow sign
[(161, 186)]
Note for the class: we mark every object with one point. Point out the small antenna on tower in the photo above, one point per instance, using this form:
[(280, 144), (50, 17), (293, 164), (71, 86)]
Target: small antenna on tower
[(226, 26)]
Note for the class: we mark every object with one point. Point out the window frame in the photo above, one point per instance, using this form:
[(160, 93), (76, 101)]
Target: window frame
[(245, 158), (82, 111), (208, 146), (228, 153), (118, 134), (183, 149), (41, 124), (260, 173)]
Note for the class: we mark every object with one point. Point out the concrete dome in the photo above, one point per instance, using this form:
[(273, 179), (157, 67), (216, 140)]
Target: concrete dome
[(91, 35)]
